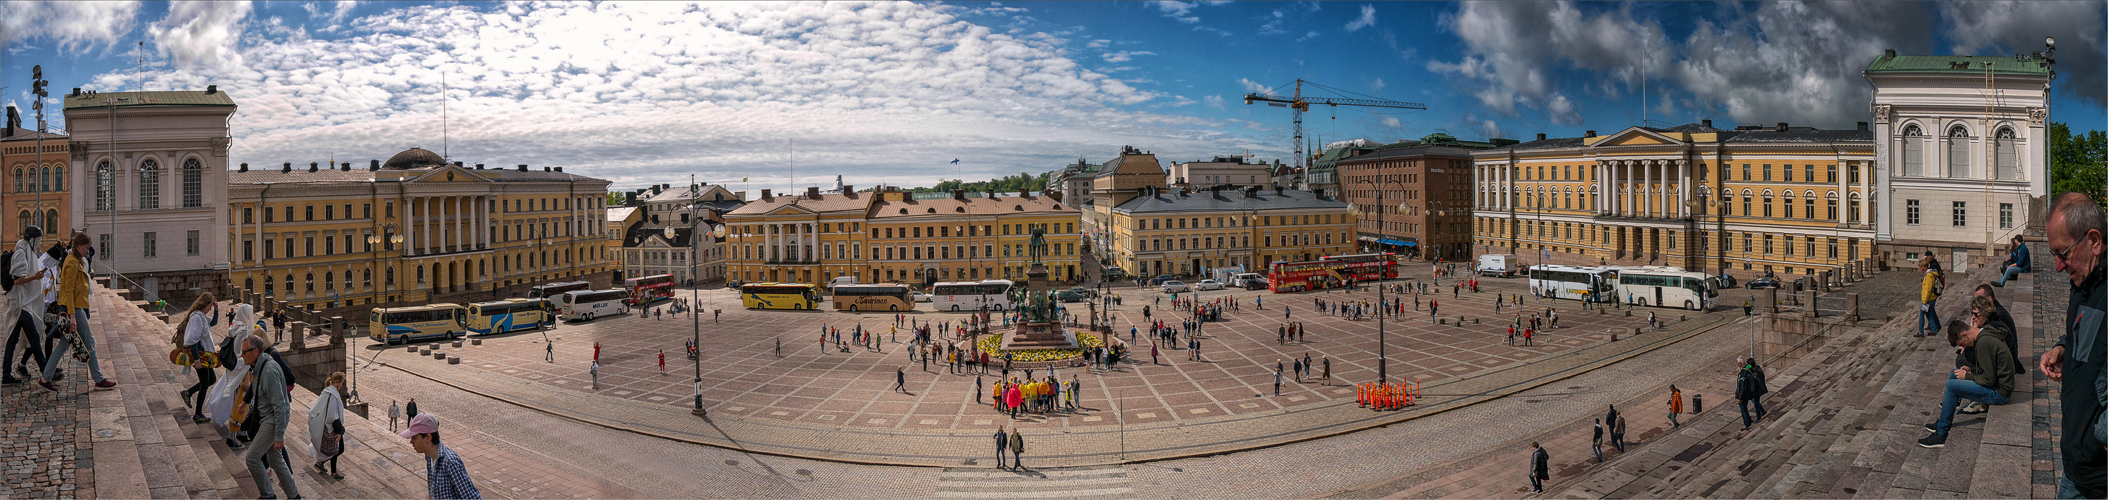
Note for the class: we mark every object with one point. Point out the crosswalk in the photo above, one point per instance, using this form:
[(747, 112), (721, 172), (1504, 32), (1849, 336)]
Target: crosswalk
[(1080, 482)]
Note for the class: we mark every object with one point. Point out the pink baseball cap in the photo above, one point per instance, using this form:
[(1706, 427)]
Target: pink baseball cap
[(425, 423)]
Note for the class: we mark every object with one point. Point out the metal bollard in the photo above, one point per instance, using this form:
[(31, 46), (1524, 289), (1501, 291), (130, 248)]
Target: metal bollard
[(1697, 403)]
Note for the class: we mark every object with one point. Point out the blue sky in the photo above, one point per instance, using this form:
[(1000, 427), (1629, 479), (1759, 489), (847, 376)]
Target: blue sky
[(649, 92)]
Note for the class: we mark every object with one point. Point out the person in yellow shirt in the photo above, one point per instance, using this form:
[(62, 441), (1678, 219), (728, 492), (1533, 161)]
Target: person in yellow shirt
[(1928, 293), (73, 296)]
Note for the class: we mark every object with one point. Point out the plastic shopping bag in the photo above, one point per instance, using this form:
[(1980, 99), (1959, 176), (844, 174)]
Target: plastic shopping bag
[(220, 400)]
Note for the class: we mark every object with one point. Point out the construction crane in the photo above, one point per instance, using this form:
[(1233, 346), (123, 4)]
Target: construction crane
[(1300, 104)]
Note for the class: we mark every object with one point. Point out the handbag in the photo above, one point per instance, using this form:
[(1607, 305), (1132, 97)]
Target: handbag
[(333, 441)]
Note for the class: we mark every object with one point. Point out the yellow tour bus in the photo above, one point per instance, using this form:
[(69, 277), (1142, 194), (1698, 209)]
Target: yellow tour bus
[(510, 315), (778, 296), (392, 325), (890, 297)]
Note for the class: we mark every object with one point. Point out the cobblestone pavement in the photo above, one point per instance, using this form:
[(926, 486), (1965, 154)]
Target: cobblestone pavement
[(44, 437), (2052, 299)]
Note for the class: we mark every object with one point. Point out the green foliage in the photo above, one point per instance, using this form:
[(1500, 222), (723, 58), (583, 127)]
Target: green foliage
[(1023, 181), (615, 198), (2078, 163)]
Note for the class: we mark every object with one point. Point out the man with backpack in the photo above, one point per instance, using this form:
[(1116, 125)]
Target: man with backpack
[(24, 285), (1749, 386), (1928, 294)]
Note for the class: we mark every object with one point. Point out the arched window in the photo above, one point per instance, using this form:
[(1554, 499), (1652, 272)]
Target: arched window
[(105, 192), (44, 179), (1852, 209), (149, 185), (18, 180), (329, 280), (2008, 156), (249, 284), (22, 221), (58, 179), (310, 282), (194, 183), (1787, 210), (288, 282), (1831, 200), (1808, 204), (1767, 203), (1913, 151), (51, 220), (1745, 204), (1958, 152)]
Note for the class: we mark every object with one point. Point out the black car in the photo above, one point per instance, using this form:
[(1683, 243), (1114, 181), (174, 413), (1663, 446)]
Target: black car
[(1727, 281), (1161, 278), (1764, 282), (1113, 274)]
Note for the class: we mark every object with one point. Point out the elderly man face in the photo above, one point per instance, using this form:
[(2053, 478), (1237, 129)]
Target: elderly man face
[(2076, 254)]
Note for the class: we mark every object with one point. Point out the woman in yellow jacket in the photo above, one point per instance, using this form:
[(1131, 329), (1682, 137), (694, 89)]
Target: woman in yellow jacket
[(73, 296), (1928, 293)]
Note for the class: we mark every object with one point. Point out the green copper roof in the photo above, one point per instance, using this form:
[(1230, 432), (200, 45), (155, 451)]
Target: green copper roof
[(101, 100), (1959, 65)]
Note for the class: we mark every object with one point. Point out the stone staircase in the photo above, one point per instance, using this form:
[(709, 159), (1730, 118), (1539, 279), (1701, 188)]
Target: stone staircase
[(1843, 423), (147, 446)]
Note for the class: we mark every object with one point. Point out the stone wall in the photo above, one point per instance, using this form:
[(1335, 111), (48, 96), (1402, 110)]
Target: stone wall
[(178, 288)]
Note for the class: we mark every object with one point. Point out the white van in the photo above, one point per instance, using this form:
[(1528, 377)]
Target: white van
[(584, 305), (1248, 281), (1500, 264)]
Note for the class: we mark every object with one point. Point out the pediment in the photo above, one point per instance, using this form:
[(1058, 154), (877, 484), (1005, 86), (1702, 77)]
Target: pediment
[(450, 173), (1636, 136), (791, 209)]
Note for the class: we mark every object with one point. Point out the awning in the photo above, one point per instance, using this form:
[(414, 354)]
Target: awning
[(1388, 241)]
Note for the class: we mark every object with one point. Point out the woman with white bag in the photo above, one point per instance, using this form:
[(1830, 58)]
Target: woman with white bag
[(220, 400), (325, 426)]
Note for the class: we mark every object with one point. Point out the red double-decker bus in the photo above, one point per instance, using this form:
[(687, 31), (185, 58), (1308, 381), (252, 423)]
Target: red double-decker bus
[(1330, 271), (648, 289)]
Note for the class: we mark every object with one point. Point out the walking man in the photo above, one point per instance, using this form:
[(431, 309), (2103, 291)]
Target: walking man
[(1617, 433), (394, 411), (2076, 226), (1017, 449), (445, 475), (27, 297), (594, 369), (1001, 440), (272, 406), (1277, 378), (1540, 468), (549, 351), (1675, 406), (1596, 445), (1749, 385), (900, 379)]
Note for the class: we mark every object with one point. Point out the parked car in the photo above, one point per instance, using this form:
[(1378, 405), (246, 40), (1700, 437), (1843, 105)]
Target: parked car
[(920, 297), (1205, 285), (1255, 283), (1161, 278), (1727, 281), (1176, 286), (1069, 295), (1764, 282), (1085, 292), (1113, 274)]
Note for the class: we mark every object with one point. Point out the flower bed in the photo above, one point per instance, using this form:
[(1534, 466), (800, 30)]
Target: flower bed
[(993, 345)]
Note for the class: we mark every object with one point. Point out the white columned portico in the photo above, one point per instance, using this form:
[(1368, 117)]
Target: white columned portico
[(1683, 188)]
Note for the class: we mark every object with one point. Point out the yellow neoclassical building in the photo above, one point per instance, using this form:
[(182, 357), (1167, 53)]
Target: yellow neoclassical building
[(1755, 200), (890, 236), (413, 230)]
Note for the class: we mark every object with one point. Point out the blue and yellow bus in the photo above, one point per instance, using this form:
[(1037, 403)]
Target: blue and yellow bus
[(394, 325), (510, 315), (778, 296)]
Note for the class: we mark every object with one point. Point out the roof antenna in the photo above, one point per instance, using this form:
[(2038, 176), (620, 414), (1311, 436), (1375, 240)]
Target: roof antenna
[(138, 70), (442, 117)]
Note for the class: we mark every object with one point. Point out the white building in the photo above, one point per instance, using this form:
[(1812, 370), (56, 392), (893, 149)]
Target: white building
[(1223, 170), (1961, 142), (155, 165)]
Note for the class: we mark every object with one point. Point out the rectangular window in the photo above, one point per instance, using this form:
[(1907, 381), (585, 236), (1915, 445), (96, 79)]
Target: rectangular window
[(2005, 216), (190, 243), (1745, 171), (1852, 173), (249, 251), (1961, 214), (1833, 248), (289, 213), (1767, 172), (1809, 173), (1789, 244), (329, 212), (1910, 212), (310, 212), (1767, 243), (107, 248), (147, 244), (267, 215), (288, 247), (388, 210), (1786, 173), (1832, 177), (329, 245), (1913, 156), (1811, 247), (248, 215)]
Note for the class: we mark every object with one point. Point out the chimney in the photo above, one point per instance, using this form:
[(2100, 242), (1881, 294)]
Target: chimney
[(655, 218), (479, 166), (287, 169), (765, 194), (1277, 190), (14, 121), (1590, 133), (212, 89), (457, 164), (1782, 126), (1884, 53), (1862, 126), (523, 167), (658, 188), (313, 166), (77, 90), (812, 192), (559, 169), (374, 165), (346, 167), (1708, 123), (684, 218), (545, 169), (1540, 136), (245, 168), (846, 188)]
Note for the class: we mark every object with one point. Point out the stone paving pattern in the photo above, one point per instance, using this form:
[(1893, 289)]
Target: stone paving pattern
[(45, 449)]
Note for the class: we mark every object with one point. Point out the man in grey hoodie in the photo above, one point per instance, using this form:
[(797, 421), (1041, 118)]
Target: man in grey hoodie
[(272, 407), (23, 304)]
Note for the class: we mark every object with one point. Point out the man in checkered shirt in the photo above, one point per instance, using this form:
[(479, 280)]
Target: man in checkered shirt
[(447, 477)]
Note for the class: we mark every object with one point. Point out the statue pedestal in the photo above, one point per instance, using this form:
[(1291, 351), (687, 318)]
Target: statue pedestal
[(1034, 336)]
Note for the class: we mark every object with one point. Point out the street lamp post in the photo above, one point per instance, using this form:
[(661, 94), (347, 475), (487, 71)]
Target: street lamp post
[(1382, 357)]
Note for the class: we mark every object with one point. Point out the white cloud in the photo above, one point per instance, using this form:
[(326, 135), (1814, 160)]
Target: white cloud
[(1392, 122), (638, 92), (1368, 17), (1252, 86), (1097, 44), (2008, 27), (1307, 36), (1178, 10), (1124, 56), (1490, 130), (1376, 85), (1273, 26), (1215, 101), (71, 24), (201, 35)]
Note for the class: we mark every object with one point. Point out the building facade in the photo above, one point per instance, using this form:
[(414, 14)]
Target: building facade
[(891, 237), (1752, 201), (647, 251), (35, 190), (1961, 149), (1223, 170), (1118, 180), (1190, 232), (156, 165), (416, 229), (1424, 194)]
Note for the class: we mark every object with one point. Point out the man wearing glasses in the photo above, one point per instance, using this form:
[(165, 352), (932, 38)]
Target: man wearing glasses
[(269, 403), (2076, 226)]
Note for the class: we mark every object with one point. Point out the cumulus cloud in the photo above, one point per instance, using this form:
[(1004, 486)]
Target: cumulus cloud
[(1307, 36), (1782, 61), (1368, 17), (1376, 85), (1490, 130), (1178, 10), (201, 35), (1392, 122), (2008, 27), (1124, 56), (1215, 101), (1273, 23), (638, 92), (71, 24)]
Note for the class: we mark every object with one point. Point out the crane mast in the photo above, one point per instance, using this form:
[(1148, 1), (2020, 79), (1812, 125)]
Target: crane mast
[(1299, 104)]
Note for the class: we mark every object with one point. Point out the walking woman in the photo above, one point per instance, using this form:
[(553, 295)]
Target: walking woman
[(197, 338), (73, 296), (325, 426)]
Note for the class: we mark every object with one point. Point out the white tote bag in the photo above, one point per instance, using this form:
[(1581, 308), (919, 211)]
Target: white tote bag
[(220, 400)]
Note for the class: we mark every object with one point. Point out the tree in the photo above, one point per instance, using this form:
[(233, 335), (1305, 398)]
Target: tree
[(2078, 163)]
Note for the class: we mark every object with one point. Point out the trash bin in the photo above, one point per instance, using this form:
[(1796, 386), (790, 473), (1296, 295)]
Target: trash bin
[(1697, 403)]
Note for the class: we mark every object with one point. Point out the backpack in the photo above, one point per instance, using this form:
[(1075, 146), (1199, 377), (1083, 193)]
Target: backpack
[(7, 267)]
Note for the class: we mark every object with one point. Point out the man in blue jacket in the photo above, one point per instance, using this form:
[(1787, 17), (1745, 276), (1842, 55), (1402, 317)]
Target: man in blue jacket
[(2017, 261)]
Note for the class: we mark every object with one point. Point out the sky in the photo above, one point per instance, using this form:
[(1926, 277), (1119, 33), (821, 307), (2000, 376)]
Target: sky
[(782, 95)]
